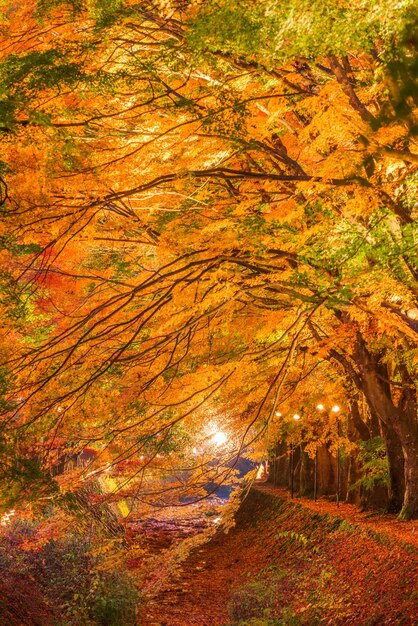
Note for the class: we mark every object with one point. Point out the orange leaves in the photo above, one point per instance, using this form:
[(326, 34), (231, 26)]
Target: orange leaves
[(207, 223), (70, 481)]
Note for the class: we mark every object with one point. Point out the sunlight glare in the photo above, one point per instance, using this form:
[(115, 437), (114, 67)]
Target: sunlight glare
[(219, 438)]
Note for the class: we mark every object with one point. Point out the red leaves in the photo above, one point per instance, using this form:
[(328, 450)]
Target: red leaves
[(318, 561)]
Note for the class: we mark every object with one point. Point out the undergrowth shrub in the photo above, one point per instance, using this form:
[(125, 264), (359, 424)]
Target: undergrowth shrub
[(374, 462), (22, 602), (252, 600), (114, 601), (61, 584)]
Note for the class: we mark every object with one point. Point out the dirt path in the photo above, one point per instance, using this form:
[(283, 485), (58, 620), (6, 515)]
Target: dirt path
[(198, 593), (335, 564)]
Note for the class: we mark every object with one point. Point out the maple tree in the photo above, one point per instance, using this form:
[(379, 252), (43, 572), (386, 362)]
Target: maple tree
[(208, 215)]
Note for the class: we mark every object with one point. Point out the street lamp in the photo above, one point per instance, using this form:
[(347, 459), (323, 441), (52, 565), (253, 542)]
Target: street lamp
[(335, 409), (320, 407), (315, 482), (296, 417)]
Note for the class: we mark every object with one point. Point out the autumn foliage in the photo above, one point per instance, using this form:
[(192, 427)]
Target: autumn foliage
[(208, 225)]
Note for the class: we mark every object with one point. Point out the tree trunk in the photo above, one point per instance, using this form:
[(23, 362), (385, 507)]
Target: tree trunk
[(396, 464), (352, 495), (279, 466), (401, 419), (357, 429), (326, 474), (306, 473), (410, 503)]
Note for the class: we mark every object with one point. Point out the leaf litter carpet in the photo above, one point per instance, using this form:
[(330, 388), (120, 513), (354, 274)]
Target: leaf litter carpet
[(328, 565)]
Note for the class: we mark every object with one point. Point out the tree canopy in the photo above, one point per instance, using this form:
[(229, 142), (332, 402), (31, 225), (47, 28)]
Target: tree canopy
[(208, 223)]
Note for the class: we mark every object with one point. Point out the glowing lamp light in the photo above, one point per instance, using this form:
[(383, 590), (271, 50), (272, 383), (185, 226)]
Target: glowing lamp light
[(296, 417), (219, 438), (278, 414), (335, 409), (320, 407)]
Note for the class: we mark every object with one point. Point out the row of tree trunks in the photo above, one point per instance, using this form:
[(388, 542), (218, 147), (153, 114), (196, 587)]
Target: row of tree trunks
[(399, 426), (392, 415), (326, 478), (362, 426), (280, 474), (380, 497)]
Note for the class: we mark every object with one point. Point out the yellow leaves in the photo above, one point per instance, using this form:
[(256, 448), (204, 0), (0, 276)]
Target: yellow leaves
[(271, 327), (221, 233), (333, 121), (110, 485), (112, 555)]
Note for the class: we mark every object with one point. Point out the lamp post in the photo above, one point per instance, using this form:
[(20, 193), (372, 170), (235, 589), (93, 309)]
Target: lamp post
[(320, 407), (336, 409), (291, 470), (296, 417)]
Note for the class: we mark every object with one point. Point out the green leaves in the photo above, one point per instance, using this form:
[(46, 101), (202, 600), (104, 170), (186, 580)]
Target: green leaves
[(277, 30), (44, 7), (107, 12), (25, 76), (372, 455)]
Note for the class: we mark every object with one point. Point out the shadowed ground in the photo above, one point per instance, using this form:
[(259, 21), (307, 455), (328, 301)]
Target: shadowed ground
[(326, 565)]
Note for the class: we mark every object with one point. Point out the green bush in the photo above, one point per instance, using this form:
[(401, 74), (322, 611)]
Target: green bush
[(375, 468), (115, 600), (253, 600)]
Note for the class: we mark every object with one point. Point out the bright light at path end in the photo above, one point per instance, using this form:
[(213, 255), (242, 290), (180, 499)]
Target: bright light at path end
[(296, 417), (320, 407), (219, 438), (335, 409)]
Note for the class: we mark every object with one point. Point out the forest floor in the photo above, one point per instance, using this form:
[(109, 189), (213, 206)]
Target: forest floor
[(369, 520), (307, 562)]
